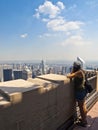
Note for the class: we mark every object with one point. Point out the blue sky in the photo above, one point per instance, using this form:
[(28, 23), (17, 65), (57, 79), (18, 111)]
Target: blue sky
[(48, 29)]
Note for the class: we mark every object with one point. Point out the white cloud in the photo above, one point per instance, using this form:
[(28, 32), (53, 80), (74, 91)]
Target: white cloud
[(24, 35), (51, 14), (45, 35), (45, 20), (37, 15), (75, 40), (49, 9), (60, 24), (60, 5)]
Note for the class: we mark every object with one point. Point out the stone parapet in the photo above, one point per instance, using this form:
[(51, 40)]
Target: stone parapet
[(97, 82), (43, 103)]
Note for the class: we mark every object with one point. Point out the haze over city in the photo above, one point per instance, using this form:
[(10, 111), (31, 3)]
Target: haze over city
[(48, 29)]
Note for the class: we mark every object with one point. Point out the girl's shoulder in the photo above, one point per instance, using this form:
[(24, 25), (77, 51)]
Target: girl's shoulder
[(80, 73)]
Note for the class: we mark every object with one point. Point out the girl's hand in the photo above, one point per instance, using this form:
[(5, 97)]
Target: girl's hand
[(68, 75)]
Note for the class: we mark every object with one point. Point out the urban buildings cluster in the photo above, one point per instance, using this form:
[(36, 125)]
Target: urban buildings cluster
[(12, 71)]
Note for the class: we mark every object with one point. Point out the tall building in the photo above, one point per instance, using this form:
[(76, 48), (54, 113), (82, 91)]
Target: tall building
[(17, 74), (42, 67), (26, 74), (7, 74), (1, 73), (63, 71)]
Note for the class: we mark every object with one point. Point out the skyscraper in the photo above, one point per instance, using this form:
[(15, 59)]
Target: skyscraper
[(26, 73), (42, 67), (7, 74), (17, 74), (1, 73)]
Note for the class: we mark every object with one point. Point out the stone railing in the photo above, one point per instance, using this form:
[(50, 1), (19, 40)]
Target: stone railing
[(43, 103)]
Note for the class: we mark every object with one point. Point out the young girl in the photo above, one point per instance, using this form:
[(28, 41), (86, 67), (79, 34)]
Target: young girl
[(78, 76)]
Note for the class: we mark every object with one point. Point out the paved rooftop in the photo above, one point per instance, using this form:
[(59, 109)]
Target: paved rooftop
[(92, 118)]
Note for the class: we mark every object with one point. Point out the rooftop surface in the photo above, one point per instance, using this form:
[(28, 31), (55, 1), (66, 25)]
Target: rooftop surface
[(18, 85), (92, 118)]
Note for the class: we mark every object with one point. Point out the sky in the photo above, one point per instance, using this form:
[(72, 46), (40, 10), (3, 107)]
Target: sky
[(48, 29)]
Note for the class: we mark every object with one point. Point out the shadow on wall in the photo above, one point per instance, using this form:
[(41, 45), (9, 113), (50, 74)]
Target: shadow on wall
[(14, 97)]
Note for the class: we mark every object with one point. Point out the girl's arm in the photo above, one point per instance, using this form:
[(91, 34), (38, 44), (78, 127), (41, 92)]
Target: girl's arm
[(72, 75)]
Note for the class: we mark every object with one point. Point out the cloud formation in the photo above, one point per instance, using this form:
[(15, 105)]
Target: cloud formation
[(49, 9), (60, 24), (24, 35), (75, 40), (51, 14)]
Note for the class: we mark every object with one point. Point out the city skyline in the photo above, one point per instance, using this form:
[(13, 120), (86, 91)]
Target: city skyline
[(48, 29)]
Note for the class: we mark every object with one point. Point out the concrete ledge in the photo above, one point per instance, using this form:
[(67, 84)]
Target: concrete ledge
[(44, 103), (54, 77), (17, 86), (4, 104), (12, 90)]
